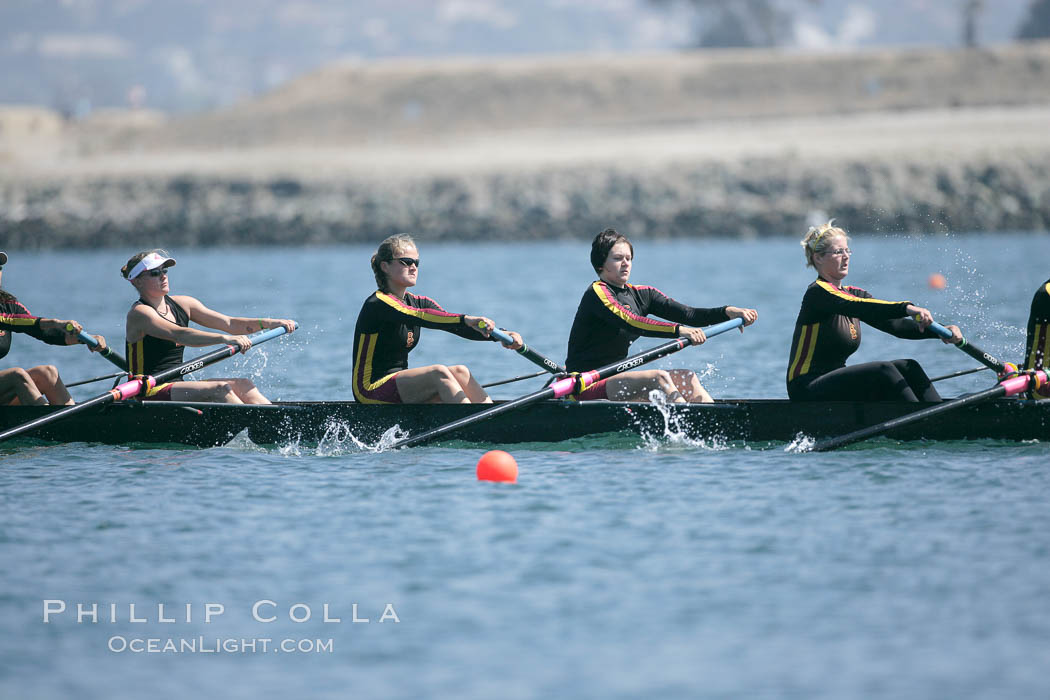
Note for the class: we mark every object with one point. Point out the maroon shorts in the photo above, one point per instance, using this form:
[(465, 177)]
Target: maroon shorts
[(158, 393), (382, 391), (594, 391)]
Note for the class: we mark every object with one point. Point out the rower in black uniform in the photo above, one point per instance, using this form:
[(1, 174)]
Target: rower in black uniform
[(41, 384), (828, 331), (1037, 346), (388, 328), (157, 332), (613, 314)]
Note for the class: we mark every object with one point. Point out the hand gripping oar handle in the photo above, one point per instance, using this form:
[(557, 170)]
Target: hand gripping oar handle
[(134, 387), (972, 350), (526, 352), (108, 353), (564, 387), (1007, 387)]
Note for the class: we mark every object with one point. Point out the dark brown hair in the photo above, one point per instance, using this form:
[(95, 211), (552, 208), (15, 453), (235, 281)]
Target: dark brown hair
[(603, 243)]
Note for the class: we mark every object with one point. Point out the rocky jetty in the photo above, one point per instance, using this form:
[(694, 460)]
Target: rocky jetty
[(857, 137)]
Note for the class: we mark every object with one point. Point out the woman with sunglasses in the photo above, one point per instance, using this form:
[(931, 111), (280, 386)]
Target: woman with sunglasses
[(827, 332), (388, 329), (42, 384), (613, 314), (158, 331)]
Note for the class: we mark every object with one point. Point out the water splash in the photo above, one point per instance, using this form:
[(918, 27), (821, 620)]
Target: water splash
[(338, 439), (801, 443), (674, 434)]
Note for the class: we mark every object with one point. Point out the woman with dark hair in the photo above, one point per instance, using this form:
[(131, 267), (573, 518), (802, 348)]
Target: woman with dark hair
[(158, 331), (41, 384), (827, 332), (614, 313), (388, 329)]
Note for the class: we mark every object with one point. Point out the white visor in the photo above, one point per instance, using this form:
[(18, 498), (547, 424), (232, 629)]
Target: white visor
[(150, 262)]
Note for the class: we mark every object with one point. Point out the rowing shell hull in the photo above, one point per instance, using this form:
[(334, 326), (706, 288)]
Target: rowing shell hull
[(753, 420)]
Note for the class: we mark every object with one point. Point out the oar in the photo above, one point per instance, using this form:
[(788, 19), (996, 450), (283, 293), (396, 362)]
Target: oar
[(514, 379), (108, 353), (971, 350), (132, 388), (960, 373), (526, 352), (97, 379), (563, 387), (1008, 387)]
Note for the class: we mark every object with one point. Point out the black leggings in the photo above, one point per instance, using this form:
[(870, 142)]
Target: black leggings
[(899, 380)]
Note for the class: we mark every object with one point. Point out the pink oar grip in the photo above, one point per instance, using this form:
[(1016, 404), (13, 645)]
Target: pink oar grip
[(1018, 384), (128, 389)]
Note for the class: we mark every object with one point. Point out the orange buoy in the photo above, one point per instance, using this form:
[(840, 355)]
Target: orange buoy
[(497, 465), (938, 281)]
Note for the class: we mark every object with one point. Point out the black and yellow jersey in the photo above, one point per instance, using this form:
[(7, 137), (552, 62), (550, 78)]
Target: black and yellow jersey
[(610, 318), (1037, 349), (15, 318), (827, 330), (388, 329), (151, 355)]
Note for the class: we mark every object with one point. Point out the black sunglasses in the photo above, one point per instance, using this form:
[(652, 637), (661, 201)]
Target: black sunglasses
[(408, 262), (158, 272)]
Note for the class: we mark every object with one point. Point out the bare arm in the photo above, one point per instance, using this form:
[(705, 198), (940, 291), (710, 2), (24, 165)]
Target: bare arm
[(202, 315), (143, 320)]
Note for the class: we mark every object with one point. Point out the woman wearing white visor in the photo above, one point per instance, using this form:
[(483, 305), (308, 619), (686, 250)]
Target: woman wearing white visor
[(158, 331)]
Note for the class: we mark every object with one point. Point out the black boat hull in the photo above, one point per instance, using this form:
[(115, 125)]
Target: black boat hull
[(752, 420)]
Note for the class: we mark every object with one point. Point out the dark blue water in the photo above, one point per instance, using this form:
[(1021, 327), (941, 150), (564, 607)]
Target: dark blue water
[(616, 567)]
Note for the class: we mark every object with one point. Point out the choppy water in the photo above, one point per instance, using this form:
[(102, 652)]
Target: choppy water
[(616, 567)]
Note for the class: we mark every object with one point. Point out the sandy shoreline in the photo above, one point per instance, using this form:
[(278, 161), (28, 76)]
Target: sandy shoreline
[(748, 144), (943, 135)]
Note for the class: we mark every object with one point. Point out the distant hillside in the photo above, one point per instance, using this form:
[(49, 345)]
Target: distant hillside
[(730, 143), (377, 103)]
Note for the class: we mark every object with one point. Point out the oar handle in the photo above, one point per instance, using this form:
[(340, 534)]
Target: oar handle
[(108, 353), (971, 350), (498, 333), (723, 327), (525, 351), (940, 330)]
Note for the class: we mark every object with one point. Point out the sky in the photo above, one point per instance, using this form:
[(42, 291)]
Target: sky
[(186, 55)]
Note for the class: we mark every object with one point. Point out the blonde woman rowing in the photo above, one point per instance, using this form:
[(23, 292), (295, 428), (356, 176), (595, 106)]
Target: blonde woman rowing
[(388, 328), (827, 332)]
